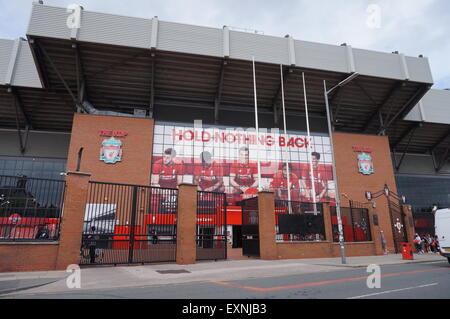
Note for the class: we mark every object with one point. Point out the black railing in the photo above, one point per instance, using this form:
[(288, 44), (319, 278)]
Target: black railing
[(30, 208), (299, 222), (211, 226), (126, 224), (355, 224)]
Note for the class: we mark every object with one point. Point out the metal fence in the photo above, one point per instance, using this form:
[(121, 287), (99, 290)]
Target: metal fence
[(30, 208), (126, 224), (398, 223), (355, 224), (299, 222), (211, 226)]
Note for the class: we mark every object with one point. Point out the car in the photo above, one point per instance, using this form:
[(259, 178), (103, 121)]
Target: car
[(442, 227)]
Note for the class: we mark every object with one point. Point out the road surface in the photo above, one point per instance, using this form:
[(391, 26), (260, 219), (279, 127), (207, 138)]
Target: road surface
[(406, 281)]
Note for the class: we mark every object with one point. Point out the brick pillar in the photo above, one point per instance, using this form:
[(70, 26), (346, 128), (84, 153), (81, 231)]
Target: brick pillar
[(186, 224), (376, 231), (267, 234), (409, 223), (73, 219), (327, 222)]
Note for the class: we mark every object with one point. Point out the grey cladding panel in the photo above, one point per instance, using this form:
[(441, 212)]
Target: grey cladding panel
[(115, 30), (189, 39), (414, 115), (49, 22), (264, 48), (419, 69), (25, 71), (378, 64), (6, 47), (436, 107), (321, 56)]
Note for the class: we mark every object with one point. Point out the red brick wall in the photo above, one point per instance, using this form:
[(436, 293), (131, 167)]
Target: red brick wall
[(267, 234), (186, 225), (304, 250), (137, 146), (355, 184), (355, 249), (27, 257), (323, 250)]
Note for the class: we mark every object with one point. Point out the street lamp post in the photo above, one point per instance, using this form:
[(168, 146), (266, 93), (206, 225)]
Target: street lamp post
[(338, 200)]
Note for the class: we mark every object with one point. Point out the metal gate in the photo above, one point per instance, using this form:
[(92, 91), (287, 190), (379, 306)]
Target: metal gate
[(250, 227), (30, 208), (211, 226), (398, 224), (127, 224)]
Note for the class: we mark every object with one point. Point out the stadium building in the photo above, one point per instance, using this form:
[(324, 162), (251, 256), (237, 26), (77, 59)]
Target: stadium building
[(135, 125)]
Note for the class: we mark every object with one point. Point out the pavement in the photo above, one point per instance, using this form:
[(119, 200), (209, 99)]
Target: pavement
[(103, 277)]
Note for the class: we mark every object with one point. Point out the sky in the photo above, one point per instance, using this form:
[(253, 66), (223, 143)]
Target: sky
[(412, 27)]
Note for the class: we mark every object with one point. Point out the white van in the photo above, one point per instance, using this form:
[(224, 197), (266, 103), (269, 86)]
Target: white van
[(442, 227)]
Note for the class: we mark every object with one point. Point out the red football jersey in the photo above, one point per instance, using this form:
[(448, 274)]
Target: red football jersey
[(282, 183), (208, 176), (167, 174), (244, 173), (320, 178)]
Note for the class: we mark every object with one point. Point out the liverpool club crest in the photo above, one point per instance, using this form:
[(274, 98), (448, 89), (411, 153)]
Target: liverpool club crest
[(365, 164), (111, 151)]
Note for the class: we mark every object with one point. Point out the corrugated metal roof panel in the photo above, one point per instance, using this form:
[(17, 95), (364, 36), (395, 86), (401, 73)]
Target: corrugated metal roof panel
[(378, 64), (6, 47), (117, 30), (435, 107), (49, 22), (419, 69), (266, 49), (25, 72), (321, 56), (189, 39), (111, 29)]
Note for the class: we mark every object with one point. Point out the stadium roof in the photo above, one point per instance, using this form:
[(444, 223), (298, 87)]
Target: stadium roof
[(427, 128), (121, 64)]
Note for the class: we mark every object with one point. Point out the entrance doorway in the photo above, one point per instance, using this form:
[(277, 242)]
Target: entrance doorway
[(211, 226), (205, 237), (250, 228), (237, 236)]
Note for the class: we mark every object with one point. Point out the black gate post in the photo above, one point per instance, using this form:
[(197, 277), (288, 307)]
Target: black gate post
[(132, 224), (353, 221), (225, 226), (392, 225), (405, 232)]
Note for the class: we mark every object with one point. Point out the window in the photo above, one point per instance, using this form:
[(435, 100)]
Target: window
[(422, 192)]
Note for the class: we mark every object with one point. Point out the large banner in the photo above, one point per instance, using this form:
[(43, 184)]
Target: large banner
[(225, 160)]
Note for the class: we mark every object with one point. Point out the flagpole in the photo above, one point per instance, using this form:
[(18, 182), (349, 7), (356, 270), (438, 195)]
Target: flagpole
[(311, 170), (286, 138), (256, 125)]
